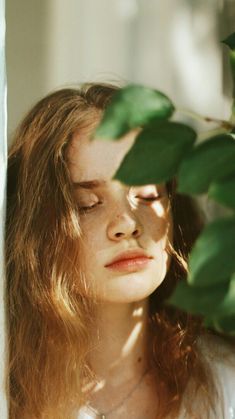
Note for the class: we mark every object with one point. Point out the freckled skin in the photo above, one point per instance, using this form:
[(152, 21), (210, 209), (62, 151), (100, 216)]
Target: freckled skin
[(123, 221)]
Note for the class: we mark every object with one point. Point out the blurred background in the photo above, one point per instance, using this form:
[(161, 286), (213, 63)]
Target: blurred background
[(172, 45)]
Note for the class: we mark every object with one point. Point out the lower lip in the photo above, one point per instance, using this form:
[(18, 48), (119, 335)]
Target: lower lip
[(130, 265)]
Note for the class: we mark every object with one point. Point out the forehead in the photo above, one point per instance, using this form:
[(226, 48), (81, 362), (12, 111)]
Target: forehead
[(97, 159)]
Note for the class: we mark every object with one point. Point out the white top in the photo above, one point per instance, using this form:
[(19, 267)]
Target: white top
[(227, 376), (223, 366)]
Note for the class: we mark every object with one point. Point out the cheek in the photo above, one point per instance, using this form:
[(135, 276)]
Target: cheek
[(157, 222), (92, 233)]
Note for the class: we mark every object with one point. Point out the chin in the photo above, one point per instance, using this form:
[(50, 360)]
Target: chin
[(133, 291)]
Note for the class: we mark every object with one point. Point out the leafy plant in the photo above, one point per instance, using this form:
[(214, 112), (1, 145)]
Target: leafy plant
[(165, 149)]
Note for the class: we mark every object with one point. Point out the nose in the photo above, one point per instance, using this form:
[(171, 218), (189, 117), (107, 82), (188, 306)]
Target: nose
[(124, 226)]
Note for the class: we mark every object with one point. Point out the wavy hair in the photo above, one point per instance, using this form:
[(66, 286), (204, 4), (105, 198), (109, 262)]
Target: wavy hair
[(47, 318)]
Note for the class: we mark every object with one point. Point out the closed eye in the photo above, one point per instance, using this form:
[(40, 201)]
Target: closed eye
[(88, 208), (149, 198)]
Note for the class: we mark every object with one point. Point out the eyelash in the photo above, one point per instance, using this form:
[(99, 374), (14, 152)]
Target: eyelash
[(90, 208)]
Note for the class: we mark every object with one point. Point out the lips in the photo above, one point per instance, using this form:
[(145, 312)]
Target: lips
[(129, 255)]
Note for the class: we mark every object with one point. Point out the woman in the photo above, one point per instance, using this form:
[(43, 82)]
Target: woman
[(90, 262)]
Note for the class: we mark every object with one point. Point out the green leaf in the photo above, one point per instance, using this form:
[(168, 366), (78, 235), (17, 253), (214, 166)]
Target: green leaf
[(209, 161), (227, 306), (212, 259), (230, 41), (201, 301), (133, 106), (224, 191), (223, 318), (156, 153), (224, 324)]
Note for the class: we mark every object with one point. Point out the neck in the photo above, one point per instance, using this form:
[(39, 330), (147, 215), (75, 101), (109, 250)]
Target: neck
[(120, 342)]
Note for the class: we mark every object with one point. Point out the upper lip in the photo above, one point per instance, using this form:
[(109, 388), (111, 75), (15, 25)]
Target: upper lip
[(129, 254)]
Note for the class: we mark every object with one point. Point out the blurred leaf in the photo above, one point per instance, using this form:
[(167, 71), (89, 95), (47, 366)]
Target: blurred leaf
[(156, 153), (227, 305), (133, 106), (224, 324), (213, 255), (224, 191), (230, 41), (207, 162), (198, 300)]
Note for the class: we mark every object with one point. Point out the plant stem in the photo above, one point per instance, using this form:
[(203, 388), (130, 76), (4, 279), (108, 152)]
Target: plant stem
[(223, 124)]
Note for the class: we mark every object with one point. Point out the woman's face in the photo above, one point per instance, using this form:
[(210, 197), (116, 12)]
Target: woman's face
[(118, 222)]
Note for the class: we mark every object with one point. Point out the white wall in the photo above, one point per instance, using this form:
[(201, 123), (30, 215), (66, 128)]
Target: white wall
[(3, 148)]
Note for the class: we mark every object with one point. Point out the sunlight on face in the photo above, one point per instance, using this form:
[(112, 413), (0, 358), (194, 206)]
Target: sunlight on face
[(116, 219)]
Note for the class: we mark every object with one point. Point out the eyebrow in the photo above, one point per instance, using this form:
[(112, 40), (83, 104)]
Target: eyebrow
[(89, 184)]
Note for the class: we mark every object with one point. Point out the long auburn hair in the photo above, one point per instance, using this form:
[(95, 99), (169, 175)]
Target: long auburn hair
[(48, 322)]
